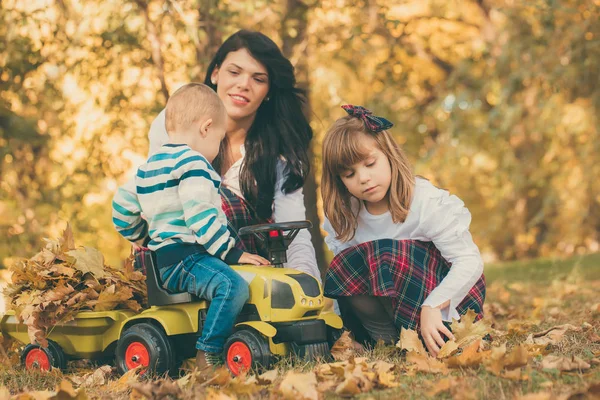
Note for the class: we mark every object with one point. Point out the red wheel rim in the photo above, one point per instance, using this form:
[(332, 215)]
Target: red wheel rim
[(136, 355), (239, 358), (37, 358)]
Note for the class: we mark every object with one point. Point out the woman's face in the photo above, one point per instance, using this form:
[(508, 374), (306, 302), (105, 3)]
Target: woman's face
[(242, 84)]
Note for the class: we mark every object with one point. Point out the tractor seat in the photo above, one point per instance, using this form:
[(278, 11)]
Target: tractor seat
[(157, 295)]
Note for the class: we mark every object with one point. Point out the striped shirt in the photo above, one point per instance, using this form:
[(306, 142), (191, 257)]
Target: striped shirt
[(177, 192)]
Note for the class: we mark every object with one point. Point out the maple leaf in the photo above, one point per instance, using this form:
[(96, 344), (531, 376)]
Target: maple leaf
[(299, 386), (552, 335), (67, 242), (343, 348), (470, 356), (88, 259), (409, 341), (563, 363), (467, 330), (425, 363)]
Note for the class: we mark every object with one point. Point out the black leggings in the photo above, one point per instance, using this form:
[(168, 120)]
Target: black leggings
[(370, 318)]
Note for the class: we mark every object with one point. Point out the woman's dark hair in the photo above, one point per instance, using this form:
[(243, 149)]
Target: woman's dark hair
[(280, 130)]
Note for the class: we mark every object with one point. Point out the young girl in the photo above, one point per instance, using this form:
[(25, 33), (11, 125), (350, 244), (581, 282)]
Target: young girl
[(404, 256)]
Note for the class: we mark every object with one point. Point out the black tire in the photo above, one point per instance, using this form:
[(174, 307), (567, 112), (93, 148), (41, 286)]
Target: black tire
[(145, 344), (247, 341), (54, 355), (312, 352)]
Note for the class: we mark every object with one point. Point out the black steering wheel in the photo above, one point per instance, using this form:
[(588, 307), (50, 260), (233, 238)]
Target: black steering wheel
[(274, 238)]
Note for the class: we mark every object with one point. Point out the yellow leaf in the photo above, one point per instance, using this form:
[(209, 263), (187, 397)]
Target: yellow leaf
[(349, 387), (299, 386), (448, 349), (409, 341), (424, 363), (442, 385), (268, 377), (213, 394), (88, 259), (466, 327), (65, 391), (470, 357)]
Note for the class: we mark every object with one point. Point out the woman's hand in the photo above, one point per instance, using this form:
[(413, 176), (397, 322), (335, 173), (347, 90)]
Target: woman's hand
[(432, 328), (253, 259)]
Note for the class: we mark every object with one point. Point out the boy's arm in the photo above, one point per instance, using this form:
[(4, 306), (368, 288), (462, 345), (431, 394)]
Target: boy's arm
[(126, 213), (201, 202)]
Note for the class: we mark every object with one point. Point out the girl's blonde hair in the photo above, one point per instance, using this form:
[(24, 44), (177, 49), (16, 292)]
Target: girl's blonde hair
[(342, 148)]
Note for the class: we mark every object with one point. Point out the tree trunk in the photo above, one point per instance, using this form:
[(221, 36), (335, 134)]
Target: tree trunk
[(294, 37)]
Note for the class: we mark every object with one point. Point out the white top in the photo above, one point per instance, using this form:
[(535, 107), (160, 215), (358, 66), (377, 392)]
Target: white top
[(286, 207), (434, 216)]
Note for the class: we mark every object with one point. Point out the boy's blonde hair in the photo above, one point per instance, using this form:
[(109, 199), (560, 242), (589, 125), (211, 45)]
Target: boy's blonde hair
[(342, 148), (191, 102)]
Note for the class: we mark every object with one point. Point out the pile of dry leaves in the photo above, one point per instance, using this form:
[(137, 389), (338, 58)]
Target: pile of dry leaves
[(61, 280)]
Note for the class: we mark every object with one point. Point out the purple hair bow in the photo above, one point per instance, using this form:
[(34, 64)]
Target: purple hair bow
[(372, 122)]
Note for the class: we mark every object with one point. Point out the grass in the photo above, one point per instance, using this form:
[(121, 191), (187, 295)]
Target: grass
[(525, 296)]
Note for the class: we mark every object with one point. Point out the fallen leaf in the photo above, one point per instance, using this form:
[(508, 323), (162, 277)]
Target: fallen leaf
[(442, 385), (449, 348), (466, 329), (470, 357), (268, 377), (343, 348), (552, 335), (409, 341), (425, 363), (536, 396), (213, 394), (563, 363), (299, 386)]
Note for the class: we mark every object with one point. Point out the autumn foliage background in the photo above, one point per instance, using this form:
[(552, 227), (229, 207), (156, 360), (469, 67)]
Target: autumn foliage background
[(495, 100)]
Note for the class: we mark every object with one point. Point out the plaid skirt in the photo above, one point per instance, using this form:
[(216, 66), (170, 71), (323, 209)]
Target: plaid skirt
[(239, 214), (404, 270)]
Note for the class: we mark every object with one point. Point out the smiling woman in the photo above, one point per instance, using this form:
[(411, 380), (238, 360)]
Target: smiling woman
[(263, 159)]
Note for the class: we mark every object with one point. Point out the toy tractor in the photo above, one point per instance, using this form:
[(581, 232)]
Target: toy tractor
[(284, 315)]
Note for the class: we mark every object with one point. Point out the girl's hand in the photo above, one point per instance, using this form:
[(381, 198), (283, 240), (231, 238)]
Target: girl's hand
[(253, 259), (432, 328)]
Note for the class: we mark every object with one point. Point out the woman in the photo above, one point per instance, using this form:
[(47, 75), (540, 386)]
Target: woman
[(264, 158)]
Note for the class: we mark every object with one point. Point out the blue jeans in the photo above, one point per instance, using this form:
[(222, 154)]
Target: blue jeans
[(209, 278)]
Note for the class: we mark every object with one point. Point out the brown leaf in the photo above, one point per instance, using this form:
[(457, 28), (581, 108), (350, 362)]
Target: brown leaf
[(343, 348), (349, 387), (442, 385), (299, 386), (65, 391), (552, 335), (214, 394), (470, 356), (449, 348), (563, 363), (409, 341), (268, 377), (88, 259), (425, 363), (58, 293), (67, 242), (536, 396), (220, 377), (467, 328)]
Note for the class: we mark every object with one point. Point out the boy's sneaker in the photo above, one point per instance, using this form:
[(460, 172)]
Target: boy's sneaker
[(205, 360)]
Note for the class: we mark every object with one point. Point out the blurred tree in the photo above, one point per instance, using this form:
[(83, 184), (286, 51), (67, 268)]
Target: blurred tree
[(495, 100)]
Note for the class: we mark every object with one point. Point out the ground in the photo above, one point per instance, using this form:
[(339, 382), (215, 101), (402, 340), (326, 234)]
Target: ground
[(524, 299)]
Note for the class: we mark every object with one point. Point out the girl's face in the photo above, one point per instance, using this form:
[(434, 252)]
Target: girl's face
[(242, 84), (369, 180)]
